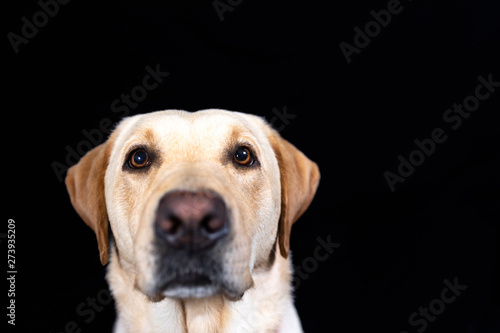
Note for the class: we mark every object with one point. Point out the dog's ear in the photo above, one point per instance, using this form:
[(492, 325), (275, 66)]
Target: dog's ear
[(85, 184), (299, 178)]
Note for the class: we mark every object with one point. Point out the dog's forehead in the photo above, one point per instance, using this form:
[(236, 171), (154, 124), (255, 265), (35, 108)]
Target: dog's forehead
[(211, 128)]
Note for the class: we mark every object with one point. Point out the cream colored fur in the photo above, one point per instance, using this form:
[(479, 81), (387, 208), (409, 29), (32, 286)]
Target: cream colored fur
[(264, 203)]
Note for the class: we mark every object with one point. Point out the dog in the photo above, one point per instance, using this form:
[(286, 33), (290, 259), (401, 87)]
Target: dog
[(194, 211)]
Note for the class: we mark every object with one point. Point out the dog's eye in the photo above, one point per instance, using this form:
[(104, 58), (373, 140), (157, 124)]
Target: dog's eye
[(139, 158), (243, 156)]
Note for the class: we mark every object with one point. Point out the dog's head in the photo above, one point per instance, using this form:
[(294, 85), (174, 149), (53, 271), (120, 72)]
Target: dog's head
[(196, 201)]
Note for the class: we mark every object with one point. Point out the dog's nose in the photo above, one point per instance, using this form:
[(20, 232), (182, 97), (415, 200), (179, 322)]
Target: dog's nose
[(191, 220)]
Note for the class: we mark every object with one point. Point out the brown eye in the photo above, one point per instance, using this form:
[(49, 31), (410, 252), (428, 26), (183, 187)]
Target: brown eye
[(243, 156), (139, 159)]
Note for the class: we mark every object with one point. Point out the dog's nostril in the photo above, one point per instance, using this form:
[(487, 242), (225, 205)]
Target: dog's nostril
[(212, 223), (171, 225)]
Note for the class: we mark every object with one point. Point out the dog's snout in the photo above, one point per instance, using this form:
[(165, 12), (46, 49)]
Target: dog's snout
[(192, 220)]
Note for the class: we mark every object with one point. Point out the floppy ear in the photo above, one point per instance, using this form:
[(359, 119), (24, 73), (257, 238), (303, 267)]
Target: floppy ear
[(299, 178), (85, 184)]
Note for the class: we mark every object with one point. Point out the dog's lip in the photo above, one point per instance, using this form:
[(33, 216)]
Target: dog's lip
[(189, 279), (190, 285), (195, 285)]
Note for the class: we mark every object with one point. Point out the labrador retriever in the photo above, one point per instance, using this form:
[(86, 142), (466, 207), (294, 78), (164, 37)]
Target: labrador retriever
[(194, 212)]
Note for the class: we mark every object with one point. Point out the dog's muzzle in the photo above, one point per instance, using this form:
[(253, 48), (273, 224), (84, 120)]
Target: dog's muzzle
[(191, 229)]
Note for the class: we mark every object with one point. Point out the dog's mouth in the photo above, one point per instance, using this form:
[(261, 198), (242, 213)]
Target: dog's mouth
[(190, 285), (191, 280), (184, 273)]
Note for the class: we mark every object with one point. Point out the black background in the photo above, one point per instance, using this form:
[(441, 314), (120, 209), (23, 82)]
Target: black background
[(354, 119)]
